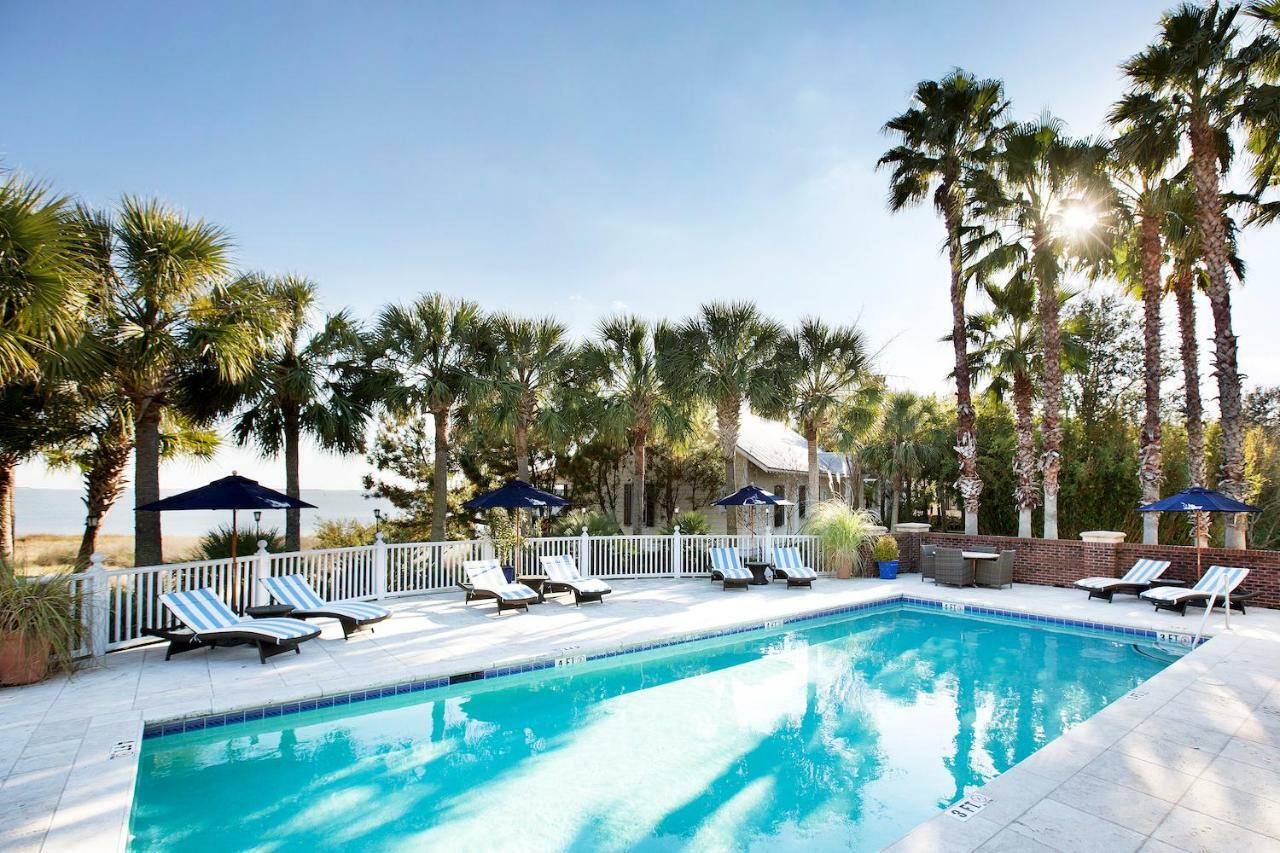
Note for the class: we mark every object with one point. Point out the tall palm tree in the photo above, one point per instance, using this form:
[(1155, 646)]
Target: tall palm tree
[(821, 365), (527, 369), (308, 382), (630, 401), (1260, 110), (1195, 76), (947, 136), (725, 355), (1039, 197), (428, 357), (906, 442), (854, 430), (42, 302), (180, 331)]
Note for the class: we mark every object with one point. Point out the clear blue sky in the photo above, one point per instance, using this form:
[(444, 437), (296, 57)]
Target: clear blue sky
[(566, 158)]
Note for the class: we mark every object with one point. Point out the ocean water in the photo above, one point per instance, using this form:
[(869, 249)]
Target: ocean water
[(61, 511), (837, 736)]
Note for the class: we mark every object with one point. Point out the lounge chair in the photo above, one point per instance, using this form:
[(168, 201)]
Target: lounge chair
[(951, 568), (787, 564), (486, 581), (1138, 579), (727, 568), (210, 622), (1216, 583), (928, 560), (997, 573), (294, 591), (563, 576)]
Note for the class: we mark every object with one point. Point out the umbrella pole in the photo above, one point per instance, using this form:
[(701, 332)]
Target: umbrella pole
[(234, 574)]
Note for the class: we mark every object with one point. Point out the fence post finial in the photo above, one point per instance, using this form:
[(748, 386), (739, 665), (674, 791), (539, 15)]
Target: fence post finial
[(584, 552), (677, 552), (379, 567), (261, 571), (97, 605)]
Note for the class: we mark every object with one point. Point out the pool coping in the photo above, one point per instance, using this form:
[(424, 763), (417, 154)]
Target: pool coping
[(98, 797), (533, 663)]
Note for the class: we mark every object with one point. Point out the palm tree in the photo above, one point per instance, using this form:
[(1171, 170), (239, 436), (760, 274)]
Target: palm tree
[(821, 365), (42, 301), (180, 333), (947, 137), (428, 356), (527, 369), (906, 442), (1140, 169), (1195, 77), (854, 430), (1040, 197), (629, 399), (309, 382), (1008, 353), (725, 355), (1260, 113)]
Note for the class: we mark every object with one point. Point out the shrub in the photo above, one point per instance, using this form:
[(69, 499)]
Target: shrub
[(843, 531), (886, 550), (693, 522), (597, 524), (343, 533), (216, 544), (41, 610)]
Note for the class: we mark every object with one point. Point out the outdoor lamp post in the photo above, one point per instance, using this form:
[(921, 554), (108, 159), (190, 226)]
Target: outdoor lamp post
[(257, 525), (377, 521)]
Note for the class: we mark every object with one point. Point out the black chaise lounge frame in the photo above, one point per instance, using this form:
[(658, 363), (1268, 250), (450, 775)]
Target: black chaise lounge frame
[(1238, 599), (350, 624), (730, 583), (184, 640), (474, 594), (579, 596), (782, 573)]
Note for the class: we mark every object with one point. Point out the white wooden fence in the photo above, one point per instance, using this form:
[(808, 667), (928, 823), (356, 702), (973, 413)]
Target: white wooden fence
[(119, 605)]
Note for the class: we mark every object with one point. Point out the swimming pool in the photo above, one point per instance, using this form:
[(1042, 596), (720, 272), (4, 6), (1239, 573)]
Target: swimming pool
[(840, 733)]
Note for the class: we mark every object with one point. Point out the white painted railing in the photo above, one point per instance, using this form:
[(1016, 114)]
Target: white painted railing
[(118, 606)]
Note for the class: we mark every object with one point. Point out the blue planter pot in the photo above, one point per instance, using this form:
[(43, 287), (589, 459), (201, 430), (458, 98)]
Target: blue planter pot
[(510, 572), (888, 570)]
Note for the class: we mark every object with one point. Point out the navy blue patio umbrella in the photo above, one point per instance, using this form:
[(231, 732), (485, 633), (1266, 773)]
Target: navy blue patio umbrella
[(517, 495), (753, 496), (234, 493), (1198, 499)]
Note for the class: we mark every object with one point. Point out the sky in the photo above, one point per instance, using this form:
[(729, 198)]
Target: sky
[(573, 159)]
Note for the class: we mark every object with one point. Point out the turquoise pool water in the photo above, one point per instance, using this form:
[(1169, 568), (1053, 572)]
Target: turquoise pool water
[(838, 735)]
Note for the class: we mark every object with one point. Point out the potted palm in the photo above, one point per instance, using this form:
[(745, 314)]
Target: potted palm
[(843, 533), (885, 554), (39, 627)]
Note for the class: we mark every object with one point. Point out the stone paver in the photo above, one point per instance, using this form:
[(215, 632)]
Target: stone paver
[(69, 763)]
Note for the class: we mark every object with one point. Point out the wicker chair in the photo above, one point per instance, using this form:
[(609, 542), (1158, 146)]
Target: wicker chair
[(928, 553), (951, 568), (997, 572)]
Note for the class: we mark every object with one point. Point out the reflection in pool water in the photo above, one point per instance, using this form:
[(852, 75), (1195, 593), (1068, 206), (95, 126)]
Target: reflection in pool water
[(840, 735)]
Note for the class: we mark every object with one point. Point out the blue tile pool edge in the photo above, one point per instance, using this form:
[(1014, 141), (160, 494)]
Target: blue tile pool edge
[(211, 721)]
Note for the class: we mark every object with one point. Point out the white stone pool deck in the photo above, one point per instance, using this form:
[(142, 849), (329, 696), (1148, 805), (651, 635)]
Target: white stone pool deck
[(1191, 761)]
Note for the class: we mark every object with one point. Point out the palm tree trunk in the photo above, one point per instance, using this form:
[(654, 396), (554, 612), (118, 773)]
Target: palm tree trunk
[(728, 415), (8, 468), (440, 476), (1194, 414), (1150, 474), (1026, 491), (969, 483), (1209, 207), (147, 549), (893, 505), (811, 442), (522, 450), (103, 483), (292, 477), (1051, 333), (859, 487), (637, 479)]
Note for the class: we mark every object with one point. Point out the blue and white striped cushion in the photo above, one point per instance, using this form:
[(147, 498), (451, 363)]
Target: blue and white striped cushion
[(1143, 571), (293, 590), (726, 562), (559, 568), (205, 614), (1216, 581), (358, 610), (590, 585), (512, 592), (484, 574), (788, 560), (200, 609)]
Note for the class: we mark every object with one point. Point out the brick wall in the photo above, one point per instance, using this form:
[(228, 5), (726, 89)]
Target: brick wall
[(1061, 562)]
